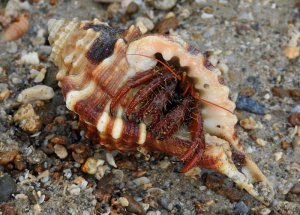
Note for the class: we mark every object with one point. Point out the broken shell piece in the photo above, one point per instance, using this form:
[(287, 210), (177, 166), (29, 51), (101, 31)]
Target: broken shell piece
[(97, 62), (17, 29)]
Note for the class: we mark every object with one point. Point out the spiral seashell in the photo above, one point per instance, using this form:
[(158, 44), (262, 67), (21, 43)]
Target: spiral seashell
[(98, 63), (17, 28)]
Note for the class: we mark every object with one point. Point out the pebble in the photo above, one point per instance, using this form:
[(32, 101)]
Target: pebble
[(296, 142), (193, 173), (7, 187), (264, 211), (241, 208), (134, 206), (141, 181), (37, 209), (278, 156), (123, 202), (30, 58), (154, 191), (164, 164), (249, 105), (166, 24), (7, 157), (144, 24), (248, 123), (247, 91), (7, 209), (261, 142), (27, 119), (4, 94), (110, 159), (164, 4), (291, 52), (60, 151), (38, 92), (91, 164), (36, 157), (132, 8), (294, 119)]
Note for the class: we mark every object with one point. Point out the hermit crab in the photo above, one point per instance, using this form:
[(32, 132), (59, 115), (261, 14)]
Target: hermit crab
[(153, 93)]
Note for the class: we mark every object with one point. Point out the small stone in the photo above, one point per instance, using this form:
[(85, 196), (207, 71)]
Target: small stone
[(7, 157), (91, 165), (60, 151), (164, 4), (285, 145), (295, 189), (38, 92), (291, 52), (110, 159), (134, 206), (154, 191), (37, 209), (31, 58), (247, 91), (279, 92), (248, 123), (278, 155), (193, 173), (4, 94), (27, 119), (7, 209), (164, 164), (36, 157), (294, 119), (295, 93), (166, 24), (264, 211), (241, 208), (144, 24), (249, 105), (7, 187), (132, 8), (141, 181), (123, 201), (296, 142), (261, 142)]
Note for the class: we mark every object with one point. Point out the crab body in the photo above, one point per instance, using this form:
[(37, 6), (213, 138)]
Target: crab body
[(153, 92)]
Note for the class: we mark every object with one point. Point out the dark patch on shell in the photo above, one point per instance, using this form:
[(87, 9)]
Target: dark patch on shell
[(102, 47), (239, 159)]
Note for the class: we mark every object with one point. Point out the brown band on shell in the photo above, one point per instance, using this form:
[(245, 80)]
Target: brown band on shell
[(91, 107)]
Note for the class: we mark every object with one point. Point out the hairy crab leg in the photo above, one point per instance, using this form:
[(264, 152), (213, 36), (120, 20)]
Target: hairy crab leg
[(137, 80), (170, 123), (198, 142), (146, 90), (156, 106)]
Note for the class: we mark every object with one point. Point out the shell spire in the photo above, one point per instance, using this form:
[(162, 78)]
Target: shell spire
[(106, 74)]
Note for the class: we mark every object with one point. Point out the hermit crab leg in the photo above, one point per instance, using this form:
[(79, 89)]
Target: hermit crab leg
[(134, 82), (146, 90), (198, 142), (171, 122), (156, 106)]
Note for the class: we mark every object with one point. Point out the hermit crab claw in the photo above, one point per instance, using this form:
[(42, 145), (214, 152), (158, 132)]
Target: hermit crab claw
[(151, 92)]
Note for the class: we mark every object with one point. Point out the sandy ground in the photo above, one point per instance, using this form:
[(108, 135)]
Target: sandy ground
[(246, 36)]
